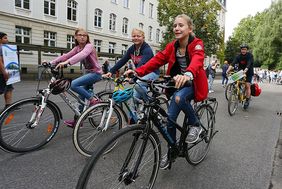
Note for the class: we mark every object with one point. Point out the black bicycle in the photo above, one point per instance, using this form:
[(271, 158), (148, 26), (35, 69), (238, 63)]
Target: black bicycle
[(135, 161)]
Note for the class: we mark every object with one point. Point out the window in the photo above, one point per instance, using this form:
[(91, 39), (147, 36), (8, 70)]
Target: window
[(98, 18), (112, 48), (112, 25), (150, 29), (151, 8), (123, 49), (22, 35), (49, 39), (141, 25), (70, 41), (158, 35), (50, 7), (125, 25), (22, 4), (142, 5), (114, 1), (71, 10), (126, 3), (98, 45)]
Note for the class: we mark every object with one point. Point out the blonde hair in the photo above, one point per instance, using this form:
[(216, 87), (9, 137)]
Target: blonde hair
[(188, 19), (139, 30)]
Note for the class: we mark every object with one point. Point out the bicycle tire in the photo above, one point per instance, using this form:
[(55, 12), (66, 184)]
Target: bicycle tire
[(104, 170), (228, 90), (16, 131), (88, 131), (233, 102), (197, 152), (105, 95)]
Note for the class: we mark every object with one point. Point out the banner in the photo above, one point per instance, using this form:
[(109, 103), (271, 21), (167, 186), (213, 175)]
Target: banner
[(11, 63)]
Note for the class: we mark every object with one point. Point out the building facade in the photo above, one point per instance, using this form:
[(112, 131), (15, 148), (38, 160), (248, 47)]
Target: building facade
[(108, 22)]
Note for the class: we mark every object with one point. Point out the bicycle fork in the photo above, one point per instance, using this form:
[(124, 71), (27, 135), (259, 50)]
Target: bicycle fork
[(37, 112)]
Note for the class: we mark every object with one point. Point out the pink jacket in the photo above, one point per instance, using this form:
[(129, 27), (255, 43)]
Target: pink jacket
[(88, 53)]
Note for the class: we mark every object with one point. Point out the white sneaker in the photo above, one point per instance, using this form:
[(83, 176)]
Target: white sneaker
[(211, 91), (194, 133)]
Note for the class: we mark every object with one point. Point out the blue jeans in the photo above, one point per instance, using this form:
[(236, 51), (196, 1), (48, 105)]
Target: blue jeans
[(224, 78), (210, 81), (81, 85), (184, 97), (140, 91)]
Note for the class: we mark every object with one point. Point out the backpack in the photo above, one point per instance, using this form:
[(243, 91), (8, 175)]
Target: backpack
[(255, 89)]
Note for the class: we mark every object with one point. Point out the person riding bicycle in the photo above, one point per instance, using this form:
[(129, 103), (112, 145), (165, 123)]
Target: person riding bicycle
[(244, 61), (185, 58), (85, 53), (139, 53)]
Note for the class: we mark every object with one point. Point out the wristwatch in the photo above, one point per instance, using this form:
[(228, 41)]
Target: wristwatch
[(189, 74)]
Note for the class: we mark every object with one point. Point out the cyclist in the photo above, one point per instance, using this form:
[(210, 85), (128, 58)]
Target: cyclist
[(85, 53), (139, 53), (244, 61), (185, 58)]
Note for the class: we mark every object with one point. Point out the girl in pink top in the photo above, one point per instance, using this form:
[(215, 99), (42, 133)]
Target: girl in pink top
[(85, 53)]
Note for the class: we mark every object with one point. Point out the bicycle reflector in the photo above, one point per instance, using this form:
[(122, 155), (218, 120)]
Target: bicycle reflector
[(122, 95), (60, 85), (255, 89)]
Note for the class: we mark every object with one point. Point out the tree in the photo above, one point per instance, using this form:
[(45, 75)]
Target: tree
[(204, 14)]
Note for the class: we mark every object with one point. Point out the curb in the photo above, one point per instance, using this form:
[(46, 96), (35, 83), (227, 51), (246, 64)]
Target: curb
[(276, 175)]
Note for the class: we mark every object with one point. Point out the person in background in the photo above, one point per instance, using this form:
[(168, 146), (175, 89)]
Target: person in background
[(85, 53), (5, 89), (185, 57), (106, 67), (224, 75), (212, 70)]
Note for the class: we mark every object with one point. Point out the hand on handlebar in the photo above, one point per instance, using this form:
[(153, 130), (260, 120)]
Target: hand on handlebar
[(107, 75), (129, 72), (181, 80), (62, 65)]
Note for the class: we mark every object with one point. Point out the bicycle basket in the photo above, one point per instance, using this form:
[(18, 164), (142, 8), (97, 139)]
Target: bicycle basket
[(236, 76), (60, 85), (122, 95)]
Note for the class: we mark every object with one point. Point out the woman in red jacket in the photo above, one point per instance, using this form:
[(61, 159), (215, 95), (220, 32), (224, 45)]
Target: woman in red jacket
[(185, 58)]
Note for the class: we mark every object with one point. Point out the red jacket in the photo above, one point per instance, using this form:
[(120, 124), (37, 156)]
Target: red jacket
[(195, 61)]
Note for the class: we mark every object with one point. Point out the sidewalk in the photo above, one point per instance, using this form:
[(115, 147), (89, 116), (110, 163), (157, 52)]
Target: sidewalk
[(276, 179)]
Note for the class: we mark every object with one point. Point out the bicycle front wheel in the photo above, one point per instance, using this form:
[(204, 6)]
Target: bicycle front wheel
[(233, 102), (116, 169), (228, 90), (19, 131), (196, 152), (90, 130)]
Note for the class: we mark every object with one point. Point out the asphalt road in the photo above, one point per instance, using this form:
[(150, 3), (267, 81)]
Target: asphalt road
[(241, 155)]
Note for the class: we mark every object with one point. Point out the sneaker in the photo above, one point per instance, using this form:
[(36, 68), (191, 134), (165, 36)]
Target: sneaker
[(94, 101), (246, 104), (164, 162), (194, 133), (69, 123), (211, 91)]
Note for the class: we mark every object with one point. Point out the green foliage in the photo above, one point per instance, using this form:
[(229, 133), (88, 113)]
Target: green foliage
[(204, 15), (263, 34)]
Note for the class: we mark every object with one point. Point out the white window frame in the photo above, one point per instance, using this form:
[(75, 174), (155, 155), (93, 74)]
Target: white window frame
[(141, 25), (151, 10), (112, 22), (158, 32), (124, 48), (98, 18), (70, 41), (50, 37), (49, 8), (23, 33), (150, 30), (98, 45), (72, 7), (125, 25), (112, 46), (23, 4), (126, 3), (114, 1), (142, 7)]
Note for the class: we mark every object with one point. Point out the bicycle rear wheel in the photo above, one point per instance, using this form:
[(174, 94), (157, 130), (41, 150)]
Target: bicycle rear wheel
[(196, 152), (89, 129), (17, 130), (233, 102), (115, 169)]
